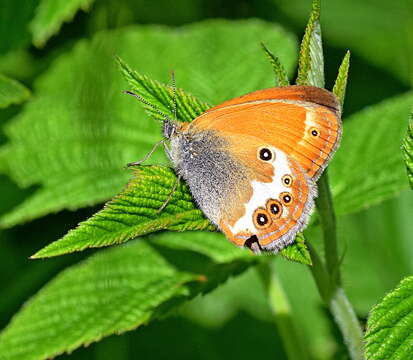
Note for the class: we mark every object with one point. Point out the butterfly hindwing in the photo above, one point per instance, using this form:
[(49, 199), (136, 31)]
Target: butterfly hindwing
[(280, 203)]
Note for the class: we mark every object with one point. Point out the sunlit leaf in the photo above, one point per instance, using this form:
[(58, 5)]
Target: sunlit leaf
[(281, 78), (390, 325), (340, 85), (161, 97), (298, 251), (134, 212), (311, 61)]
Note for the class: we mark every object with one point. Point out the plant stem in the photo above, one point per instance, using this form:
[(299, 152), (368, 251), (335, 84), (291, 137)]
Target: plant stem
[(348, 323), (281, 309), (320, 275), (325, 208), (328, 279), (339, 306)]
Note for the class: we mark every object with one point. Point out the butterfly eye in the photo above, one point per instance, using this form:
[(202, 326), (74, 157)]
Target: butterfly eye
[(261, 218), (275, 208), (265, 154), (314, 132), (287, 180), (286, 198)]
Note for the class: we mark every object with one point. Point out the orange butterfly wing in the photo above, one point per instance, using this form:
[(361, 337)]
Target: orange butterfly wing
[(278, 190), (300, 126), (302, 121)]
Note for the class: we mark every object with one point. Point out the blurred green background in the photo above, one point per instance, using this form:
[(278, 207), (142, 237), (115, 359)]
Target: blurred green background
[(377, 241)]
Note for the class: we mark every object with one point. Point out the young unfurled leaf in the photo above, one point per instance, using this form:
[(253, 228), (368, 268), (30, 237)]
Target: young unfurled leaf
[(117, 290), (390, 325), (11, 92), (50, 16), (408, 151), (298, 251), (311, 61), (161, 97), (281, 78), (340, 84)]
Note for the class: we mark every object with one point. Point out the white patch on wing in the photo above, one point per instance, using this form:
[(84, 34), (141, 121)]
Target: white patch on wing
[(310, 121), (264, 191)]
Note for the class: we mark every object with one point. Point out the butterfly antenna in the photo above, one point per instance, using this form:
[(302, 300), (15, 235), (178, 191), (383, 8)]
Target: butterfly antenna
[(166, 118), (174, 94), (147, 103)]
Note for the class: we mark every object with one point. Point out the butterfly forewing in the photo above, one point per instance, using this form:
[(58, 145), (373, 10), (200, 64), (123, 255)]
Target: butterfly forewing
[(302, 121)]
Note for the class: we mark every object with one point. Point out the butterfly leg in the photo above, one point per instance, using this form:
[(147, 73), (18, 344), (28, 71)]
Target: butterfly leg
[(148, 155), (168, 199), (167, 151)]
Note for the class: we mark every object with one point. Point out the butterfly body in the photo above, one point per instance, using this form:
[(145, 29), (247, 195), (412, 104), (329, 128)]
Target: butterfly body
[(252, 162), (204, 162)]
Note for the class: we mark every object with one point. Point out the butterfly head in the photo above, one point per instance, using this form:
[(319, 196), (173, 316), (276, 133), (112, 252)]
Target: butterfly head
[(170, 128)]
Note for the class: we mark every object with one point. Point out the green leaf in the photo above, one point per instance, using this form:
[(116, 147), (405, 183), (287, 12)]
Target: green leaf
[(298, 251), (390, 325), (408, 151), (355, 24), (134, 212), (281, 78), (388, 224), (311, 61), (211, 244), (368, 166), (158, 98), (14, 18), (92, 130), (50, 16), (114, 291), (12, 92), (340, 84)]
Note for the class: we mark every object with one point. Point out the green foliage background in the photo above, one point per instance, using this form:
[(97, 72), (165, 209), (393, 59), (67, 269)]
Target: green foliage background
[(67, 132)]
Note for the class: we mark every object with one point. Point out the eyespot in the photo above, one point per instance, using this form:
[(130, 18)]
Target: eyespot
[(286, 198), (261, 218), (265, 154), (287, 180), (314, 132), (275, 208)]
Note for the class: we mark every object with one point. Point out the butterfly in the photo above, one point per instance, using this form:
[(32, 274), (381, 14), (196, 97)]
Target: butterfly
[(252, 162)]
